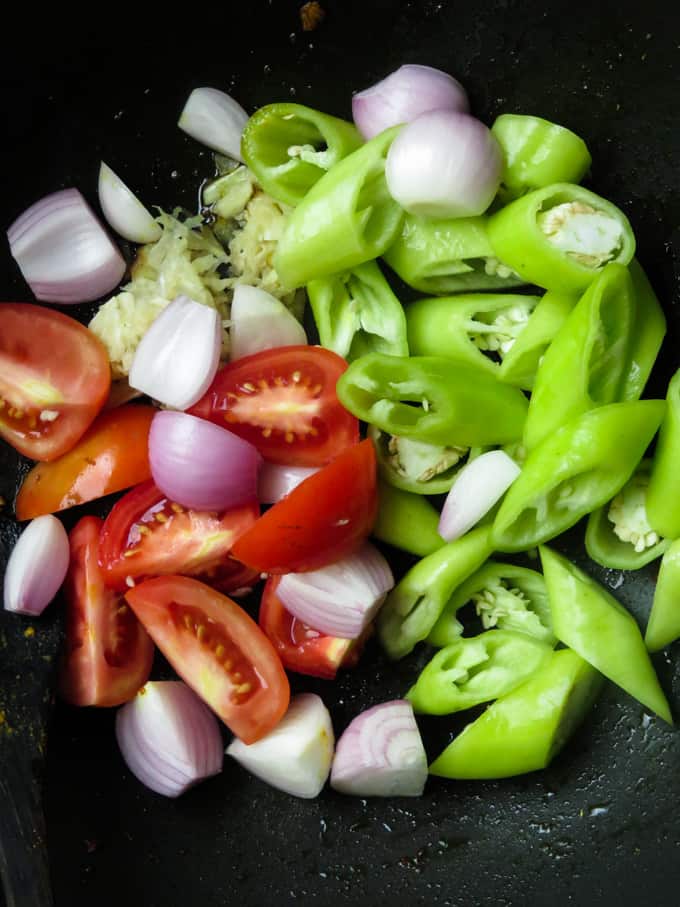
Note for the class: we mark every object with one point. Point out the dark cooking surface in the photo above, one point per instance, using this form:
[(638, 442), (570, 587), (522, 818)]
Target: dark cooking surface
[(599, 827)]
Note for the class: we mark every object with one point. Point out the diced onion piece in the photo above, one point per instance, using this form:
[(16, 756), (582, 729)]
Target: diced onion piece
[(340, 599), (200, 465), (381, 754), (64, 253), (169, 738), (296, 756), (479, 485), (404, 95), (276, 481), (213, 118), (123, 210), (36, 567), (444, 164), (260, 322), (178, 356)]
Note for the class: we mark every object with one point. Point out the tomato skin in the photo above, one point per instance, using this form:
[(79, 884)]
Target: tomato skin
[(111, 456), (147, 535), (283, 401), (217, 649), (324, 518), (108, 654), (54, 379)]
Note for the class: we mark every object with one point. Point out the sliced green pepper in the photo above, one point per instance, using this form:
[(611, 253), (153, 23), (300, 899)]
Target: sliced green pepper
[(538, 153), (413, 606), (648, 333), (289, 147), (525, 729), (432, 399), (407, 521), (578, 468), (476, 669), (663, 626), (663, 495), (505, 596), (560, 237), (448, 256), (520, 363), (618, 535), (585, 364), (464, 327), (589, 620), (356, 312), (345, 219)]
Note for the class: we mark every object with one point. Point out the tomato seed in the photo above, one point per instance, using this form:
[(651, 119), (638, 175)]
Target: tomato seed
[(131, 552), (161, 518)]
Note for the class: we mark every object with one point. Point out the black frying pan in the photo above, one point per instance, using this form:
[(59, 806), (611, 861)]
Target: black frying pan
[(599, 826)]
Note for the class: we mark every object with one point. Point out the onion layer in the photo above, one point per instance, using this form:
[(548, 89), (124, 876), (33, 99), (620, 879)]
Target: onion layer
[(213, 118), (123, 210), (36, 567), (276, 481), (478, 486), (260, 322)]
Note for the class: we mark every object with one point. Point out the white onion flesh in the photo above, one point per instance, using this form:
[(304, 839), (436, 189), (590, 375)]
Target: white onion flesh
[(259, 322), (276, 481), (36, 567), (123, 210), (381, 754), (214, 119)]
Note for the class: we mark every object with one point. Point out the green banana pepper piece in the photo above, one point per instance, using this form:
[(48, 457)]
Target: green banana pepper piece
[(505, 596), (525, 729), (465, 327), (575, 470), (589, 620), (560, 237), (432, 399), (520, 363), (356, 312), (407, 521), (663, 495), (648, 333), (413, 606), (347, 217), (448, 256), (289, 147), (538, 153), (585, 364), (475, 670), (663, 626), (618, 535)]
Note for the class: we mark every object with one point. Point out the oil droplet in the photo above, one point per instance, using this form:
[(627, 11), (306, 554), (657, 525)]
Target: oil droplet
[(614, 579)]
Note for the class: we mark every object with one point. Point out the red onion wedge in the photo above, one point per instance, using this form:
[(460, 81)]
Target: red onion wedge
[(340, 599), (276, 481), (478, 486), (404, 95), (123, 210), (260, 322), (296, 756), (64, 253), (36, 567), (169, 738), (178, 356), (444, 164), (381, 754), (213, 118), (200, 465)]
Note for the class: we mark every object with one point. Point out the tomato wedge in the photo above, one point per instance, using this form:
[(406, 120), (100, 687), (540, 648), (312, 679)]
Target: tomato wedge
[(112, 455), (323, 519), (147, 535), (108, 654), (283, 401), (218, 650), (54, 379)]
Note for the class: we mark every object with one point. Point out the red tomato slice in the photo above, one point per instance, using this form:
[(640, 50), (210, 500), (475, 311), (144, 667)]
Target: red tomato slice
[(54, 379), (283, 401), (108, 654), (218, 650), (323, 519), (147, 535), (112, 455)]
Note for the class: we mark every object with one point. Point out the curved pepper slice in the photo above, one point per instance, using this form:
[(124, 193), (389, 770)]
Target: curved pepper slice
[(476, 669), (289, 147), (578, 468), (432, 399), (648, 333), (525, 729), (589, 620), (663, 495), (345, 219), (407, 521), (560, 237), (663, 626)]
